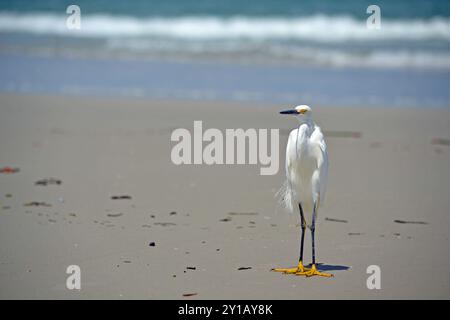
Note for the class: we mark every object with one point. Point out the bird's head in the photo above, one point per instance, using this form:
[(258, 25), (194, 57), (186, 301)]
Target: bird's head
[(303, 112)]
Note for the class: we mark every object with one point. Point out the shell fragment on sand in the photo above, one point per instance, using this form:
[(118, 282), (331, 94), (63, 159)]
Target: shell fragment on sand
[(9, 170)]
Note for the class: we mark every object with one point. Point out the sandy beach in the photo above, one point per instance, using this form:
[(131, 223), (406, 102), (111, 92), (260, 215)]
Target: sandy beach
[(139, 226)]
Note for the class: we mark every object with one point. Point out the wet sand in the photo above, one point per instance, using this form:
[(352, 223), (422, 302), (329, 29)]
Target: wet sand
[(141, 227)]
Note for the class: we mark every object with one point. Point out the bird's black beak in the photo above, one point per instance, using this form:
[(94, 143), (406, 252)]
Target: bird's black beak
[(291, 111)]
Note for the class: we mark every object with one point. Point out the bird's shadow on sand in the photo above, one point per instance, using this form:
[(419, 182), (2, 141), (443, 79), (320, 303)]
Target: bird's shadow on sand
[(330, 267)]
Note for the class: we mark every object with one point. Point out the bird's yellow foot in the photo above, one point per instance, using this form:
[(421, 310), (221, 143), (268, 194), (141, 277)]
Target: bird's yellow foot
[(314, 272), (300, 269)]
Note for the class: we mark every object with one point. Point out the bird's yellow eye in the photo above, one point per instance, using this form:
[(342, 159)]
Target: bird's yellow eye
[(302, 111)]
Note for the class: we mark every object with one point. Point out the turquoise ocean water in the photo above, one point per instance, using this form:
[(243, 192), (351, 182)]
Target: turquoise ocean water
[(277, 50)]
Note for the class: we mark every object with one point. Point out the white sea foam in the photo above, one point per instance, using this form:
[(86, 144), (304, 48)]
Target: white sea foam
[(340, 41), (314, 28)]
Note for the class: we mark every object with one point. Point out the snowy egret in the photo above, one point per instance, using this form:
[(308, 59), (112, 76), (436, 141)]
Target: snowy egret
[(306, 177)]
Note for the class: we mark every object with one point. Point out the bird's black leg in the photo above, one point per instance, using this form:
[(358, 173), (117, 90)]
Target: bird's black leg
[(313, 271), (313, 229), (302, 224), (300, 269)]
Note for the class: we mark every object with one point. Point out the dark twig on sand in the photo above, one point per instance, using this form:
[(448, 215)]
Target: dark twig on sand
[(48, 181), (114, 215), (244, 268), (125, 197), (335, 220), (411, 222), (37, 204), (189, 294)]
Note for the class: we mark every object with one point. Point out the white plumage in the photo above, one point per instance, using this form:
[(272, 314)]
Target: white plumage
[(306, 167)]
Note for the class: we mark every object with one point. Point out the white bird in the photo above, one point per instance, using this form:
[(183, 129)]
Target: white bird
[(306, 178)]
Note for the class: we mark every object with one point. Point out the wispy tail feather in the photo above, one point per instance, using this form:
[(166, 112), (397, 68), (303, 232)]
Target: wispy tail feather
[(284, 196)]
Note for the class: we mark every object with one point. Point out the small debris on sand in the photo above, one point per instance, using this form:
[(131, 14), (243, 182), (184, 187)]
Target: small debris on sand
[(335, 220), (114, 215), (244, 268), (225, 220), (124, 197), (189, 294), (164, 224), (9, 170), (173, 213), (242, 213), (441, 141), (37, 204), (191, 268), (48, 181), (152, 244), (411, 222)]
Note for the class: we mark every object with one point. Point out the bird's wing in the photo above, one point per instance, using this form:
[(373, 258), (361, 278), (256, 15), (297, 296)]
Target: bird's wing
[(291, 149), (319, 148), (285, 193)]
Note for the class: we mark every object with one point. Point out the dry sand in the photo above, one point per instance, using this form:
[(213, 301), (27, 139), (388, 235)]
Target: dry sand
[(390, 168)]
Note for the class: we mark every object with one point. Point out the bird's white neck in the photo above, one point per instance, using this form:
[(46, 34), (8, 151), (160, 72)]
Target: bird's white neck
[(307, 124), (304, 132)]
